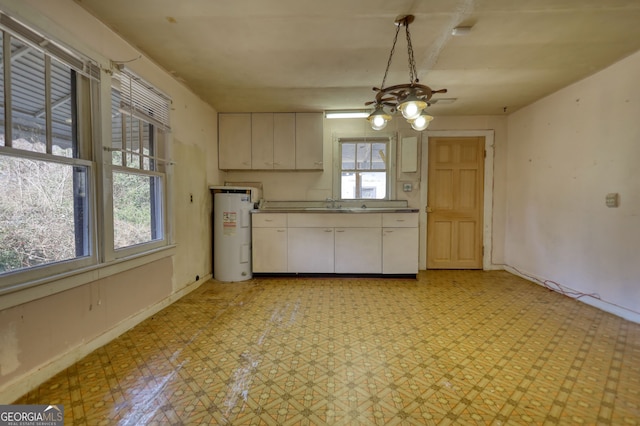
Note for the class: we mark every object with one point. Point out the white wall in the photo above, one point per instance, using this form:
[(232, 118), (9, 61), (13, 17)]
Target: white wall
[(565, 153), (40, 337)]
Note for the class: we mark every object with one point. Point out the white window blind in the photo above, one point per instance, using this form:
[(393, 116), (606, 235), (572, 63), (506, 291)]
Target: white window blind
[(81, 64), (142, 100)]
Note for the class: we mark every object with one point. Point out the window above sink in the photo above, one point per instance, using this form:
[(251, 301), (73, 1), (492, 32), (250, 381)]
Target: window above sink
[(365, 168)]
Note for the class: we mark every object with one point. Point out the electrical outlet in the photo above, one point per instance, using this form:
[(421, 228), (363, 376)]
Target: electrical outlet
[(611, 199)]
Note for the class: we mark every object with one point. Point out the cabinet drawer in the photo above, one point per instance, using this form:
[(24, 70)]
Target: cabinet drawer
[(400, 220), (269, 220), (334, 220), (311, 220), (357, 220)]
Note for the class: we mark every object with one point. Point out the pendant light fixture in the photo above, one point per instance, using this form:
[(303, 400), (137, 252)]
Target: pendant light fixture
[(411, 99)]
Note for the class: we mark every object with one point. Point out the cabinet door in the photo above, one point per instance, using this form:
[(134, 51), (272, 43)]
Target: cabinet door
[(309, 141), (269, 220), (262, 141), (400, 220), (358, 251), (399, 250), (284, 141), (269, 246), (234, 141), (310, 250)]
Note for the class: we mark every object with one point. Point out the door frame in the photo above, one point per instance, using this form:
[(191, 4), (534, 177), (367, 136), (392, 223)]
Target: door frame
[(487, 211)]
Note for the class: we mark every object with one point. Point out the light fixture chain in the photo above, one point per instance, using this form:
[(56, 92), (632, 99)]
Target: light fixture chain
[(393, 48), (410, 99), (413, 74)]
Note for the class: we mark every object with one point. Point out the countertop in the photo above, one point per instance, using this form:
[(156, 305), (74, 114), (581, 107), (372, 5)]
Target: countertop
[(348, 210)]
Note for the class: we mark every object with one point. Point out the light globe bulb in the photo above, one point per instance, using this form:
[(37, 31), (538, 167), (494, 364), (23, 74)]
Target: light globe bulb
[(379, 118), (410, 110), (411, 105), (421, 123), (378, 123)]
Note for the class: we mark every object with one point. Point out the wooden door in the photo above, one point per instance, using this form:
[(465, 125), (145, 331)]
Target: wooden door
[(455, 203)]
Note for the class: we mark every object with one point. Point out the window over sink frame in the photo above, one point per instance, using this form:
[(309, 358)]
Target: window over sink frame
[(364, 167)]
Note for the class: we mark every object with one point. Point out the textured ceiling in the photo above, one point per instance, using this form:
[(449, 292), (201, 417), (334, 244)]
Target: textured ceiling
[(303, 55)]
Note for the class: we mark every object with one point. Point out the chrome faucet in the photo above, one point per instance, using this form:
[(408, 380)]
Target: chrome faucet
[(332, 202)]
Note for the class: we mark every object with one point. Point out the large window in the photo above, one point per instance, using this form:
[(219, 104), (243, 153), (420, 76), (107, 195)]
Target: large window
[(139, 126), (364, 168), (45, 166), (83, 177)]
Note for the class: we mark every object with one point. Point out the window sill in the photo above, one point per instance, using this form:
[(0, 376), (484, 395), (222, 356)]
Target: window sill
[(25, 292)]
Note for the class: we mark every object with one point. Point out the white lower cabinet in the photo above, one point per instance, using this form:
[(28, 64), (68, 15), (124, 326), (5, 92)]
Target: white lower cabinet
[(358, 251), (310, 250), (328, 243), (269, 243), (400, 243), (269, 250)]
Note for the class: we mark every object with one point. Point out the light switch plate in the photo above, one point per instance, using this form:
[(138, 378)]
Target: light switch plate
[(612, 199), (407, 187)]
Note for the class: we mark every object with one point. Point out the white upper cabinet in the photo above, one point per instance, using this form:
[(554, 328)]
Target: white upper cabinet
[(262, 140), (270, 141), (234, 141), (284, 141), (309, 141), (273, 141)]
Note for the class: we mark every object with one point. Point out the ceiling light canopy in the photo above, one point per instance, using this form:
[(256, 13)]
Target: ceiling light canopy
[(411, 99)]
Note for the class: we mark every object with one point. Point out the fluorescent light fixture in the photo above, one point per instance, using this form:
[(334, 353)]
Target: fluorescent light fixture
[(357, 113)]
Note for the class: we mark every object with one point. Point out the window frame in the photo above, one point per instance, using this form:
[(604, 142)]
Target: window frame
[(82, 82), (389, 139), (93, 135), (23, 277), (161, 135)]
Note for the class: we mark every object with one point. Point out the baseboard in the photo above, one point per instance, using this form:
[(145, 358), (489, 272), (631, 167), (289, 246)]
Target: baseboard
[(32, 379), (601, 304)]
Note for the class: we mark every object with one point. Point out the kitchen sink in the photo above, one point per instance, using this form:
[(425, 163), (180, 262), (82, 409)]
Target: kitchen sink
[(326, 209)]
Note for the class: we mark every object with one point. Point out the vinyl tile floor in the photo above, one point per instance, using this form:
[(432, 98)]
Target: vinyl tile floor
[(450, 347)]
